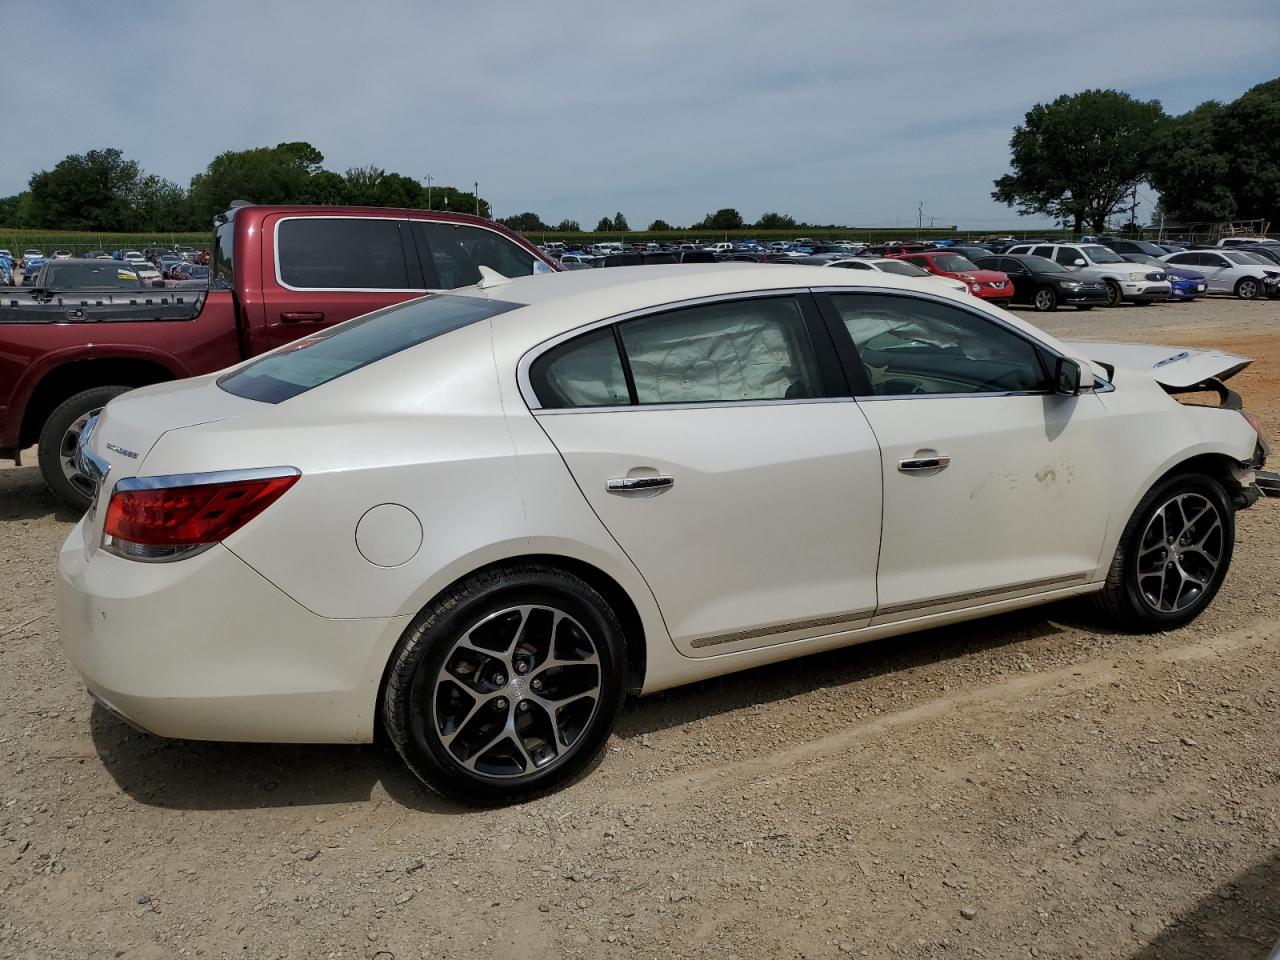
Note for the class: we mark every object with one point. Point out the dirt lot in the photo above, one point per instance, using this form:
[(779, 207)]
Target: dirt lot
[(1030, 786)]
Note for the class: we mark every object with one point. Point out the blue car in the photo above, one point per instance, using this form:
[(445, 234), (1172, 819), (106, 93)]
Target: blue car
[(1184, 283)]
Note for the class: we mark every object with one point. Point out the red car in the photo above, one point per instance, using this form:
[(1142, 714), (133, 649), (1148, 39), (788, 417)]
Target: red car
[(988, 284)]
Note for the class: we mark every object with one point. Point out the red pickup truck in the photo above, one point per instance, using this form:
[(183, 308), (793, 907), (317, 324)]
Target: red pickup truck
[(278, 273)]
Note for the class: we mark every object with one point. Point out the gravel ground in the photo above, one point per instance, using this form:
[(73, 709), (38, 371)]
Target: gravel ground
[(1034, 785)]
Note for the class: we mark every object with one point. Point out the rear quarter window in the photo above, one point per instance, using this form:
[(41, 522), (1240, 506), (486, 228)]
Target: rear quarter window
[(308, 363), (454, 252)]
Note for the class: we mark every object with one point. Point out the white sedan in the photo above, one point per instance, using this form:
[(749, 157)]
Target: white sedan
[(1236, 272), (478, 519)]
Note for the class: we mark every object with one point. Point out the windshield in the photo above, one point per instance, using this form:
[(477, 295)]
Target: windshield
[(1097, 253), (315, 360), (904, 269), (1143, 258), (954, 263)]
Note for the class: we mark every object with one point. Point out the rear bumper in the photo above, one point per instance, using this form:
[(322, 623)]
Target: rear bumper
[(206, 649)]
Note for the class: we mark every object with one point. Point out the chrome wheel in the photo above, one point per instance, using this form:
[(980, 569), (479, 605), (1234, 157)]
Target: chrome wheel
[(1180, 552), (1247, 289), (516, 692), (1045, 300), (67, 453)]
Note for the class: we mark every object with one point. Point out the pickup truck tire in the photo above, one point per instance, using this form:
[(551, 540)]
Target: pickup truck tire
[(58, 440)]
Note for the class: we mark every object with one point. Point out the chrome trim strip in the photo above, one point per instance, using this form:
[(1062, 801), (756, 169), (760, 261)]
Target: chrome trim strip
[(90, 464), (708, 405), (200, 479), (840, 619), (532, 354), (997, 592)]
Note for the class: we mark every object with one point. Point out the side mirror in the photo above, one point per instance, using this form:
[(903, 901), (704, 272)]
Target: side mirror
[(1066, 377), (1077, 262)]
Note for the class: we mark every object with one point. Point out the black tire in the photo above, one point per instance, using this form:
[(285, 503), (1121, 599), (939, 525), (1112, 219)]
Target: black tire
[(1045, 300), (1085, 307), (1249, 289), (417, 674), (1127, 596), (1115, 296), (57, 440)]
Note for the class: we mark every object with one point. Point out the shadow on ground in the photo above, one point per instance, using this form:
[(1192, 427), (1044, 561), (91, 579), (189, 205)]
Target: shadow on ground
[(1238, 921), (191, 775), (24, 496)]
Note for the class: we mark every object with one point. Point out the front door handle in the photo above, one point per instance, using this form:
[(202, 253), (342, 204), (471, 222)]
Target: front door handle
[(302, 316), (625, 485), (922, 464)]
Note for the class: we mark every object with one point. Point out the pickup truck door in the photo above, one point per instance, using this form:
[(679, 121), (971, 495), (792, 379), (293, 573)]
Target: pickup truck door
[(322, 270)]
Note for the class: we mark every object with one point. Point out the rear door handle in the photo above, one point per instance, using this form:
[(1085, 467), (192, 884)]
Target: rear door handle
[(625, 485), (921, 464), (304, 316)]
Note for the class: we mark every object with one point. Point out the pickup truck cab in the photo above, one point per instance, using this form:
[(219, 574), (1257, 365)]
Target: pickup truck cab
[(278, 273)]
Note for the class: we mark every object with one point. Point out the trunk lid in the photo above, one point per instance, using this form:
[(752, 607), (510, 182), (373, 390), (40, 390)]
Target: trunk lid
[(1177, 367)]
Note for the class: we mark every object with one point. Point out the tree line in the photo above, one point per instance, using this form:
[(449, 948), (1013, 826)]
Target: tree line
[(1080, 158), (102, 190)]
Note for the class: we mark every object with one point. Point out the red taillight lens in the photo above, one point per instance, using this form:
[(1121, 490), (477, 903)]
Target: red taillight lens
[(191, 515)]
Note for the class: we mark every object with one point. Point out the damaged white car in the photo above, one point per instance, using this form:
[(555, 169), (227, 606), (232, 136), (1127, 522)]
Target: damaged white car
[(478, 519)]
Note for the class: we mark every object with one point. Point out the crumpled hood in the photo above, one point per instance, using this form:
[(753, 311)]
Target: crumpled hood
[(1172, 366)]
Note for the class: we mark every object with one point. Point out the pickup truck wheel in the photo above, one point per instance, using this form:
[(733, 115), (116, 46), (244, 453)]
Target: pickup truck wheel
[(1115, 296), (1248, 289), (58, 439), (1173, 555)]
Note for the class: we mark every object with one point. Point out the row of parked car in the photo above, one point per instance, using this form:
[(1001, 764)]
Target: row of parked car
[(1104, 271), (155, 266)]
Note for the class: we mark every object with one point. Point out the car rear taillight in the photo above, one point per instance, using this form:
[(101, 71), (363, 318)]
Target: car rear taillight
[(168, 518)]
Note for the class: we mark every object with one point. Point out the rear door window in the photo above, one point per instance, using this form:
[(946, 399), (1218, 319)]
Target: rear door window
[(341, 253), (452, 254)]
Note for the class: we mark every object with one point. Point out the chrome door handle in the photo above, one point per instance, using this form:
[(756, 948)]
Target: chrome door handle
[(921, 464), (639, 484)]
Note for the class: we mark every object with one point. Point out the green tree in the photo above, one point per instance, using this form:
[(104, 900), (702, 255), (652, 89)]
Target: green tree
[(1246, 131), (605, 225), (158, 204), (324, 187), (775, 221), (1079, 157), (16, 211), (457, 201), (527, 222), (568, 226), (278, 174), (1189, 170), (726, 218), (620, 222), (659, 225), (375, 187), (90, 191)]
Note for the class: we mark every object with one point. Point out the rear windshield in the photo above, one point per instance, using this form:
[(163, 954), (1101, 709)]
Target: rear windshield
[(316, 360)]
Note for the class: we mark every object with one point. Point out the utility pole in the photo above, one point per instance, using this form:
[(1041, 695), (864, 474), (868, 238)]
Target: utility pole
[(1133, 210), (919, 219), (428, 191), (477, 187)]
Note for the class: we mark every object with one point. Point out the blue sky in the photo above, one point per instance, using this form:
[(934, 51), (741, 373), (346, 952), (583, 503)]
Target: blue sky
[(847, 112)]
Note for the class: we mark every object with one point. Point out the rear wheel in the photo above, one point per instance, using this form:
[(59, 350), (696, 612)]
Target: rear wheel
[(1046, 300), (1173, 555), (1115, 296), (507, 686), (1248, 289), (58, 440)]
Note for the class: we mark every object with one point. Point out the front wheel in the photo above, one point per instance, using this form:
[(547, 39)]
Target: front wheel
[(1115, 296), (1046, 300), (58, 440), (1173, 555), (507, 686)]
